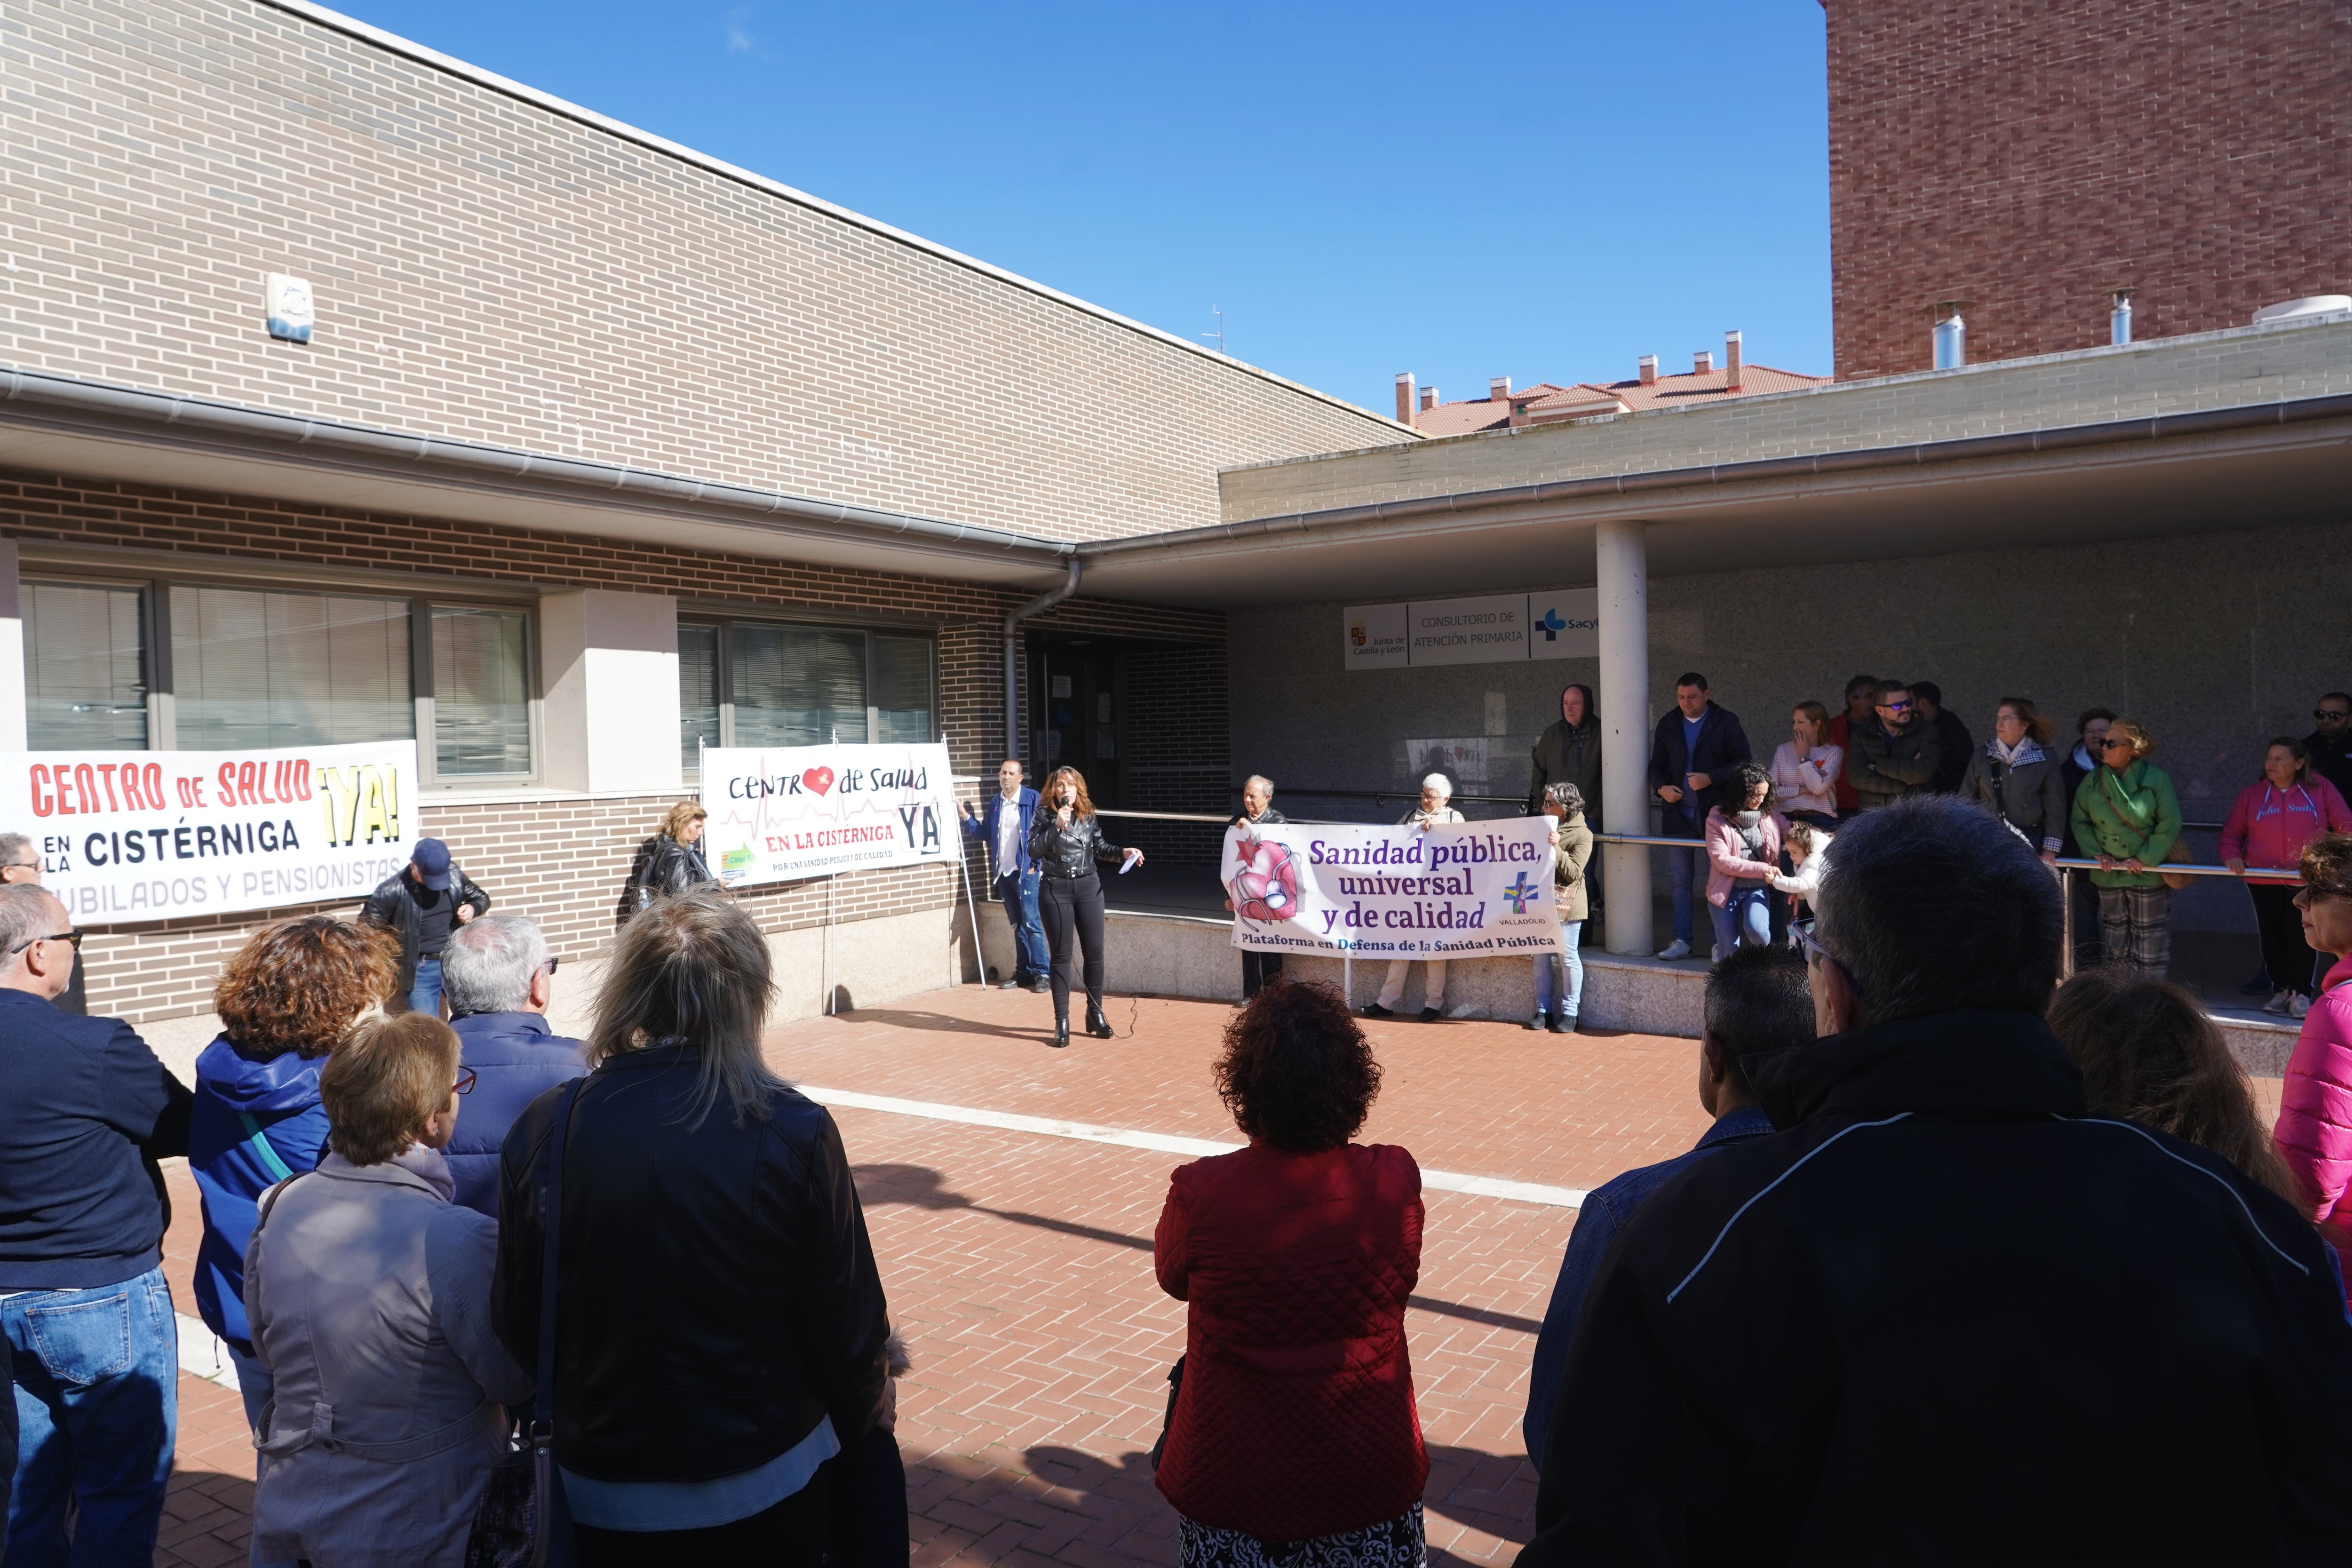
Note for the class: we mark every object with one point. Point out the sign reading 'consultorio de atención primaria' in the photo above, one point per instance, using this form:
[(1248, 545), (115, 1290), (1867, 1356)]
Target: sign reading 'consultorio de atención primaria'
[(1497, 628)]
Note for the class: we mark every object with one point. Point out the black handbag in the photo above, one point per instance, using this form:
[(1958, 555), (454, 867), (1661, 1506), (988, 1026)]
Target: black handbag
[(1175, 1386), (522, 1522)]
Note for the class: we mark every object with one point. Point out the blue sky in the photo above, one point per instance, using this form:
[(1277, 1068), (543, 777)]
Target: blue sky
[(1539, 191)]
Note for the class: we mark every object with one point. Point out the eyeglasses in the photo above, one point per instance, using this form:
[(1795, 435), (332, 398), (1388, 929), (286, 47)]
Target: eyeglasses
[(21, 866), (1896, 706), (465, 1084), (2325, 714), (2114, 742), (549, 965), (68, 936)]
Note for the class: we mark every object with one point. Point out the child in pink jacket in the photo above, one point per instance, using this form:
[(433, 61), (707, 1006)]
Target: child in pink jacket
[(2315, 1124)]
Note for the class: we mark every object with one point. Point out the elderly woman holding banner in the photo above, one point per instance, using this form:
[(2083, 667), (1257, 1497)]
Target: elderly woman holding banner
[(1436, 790)]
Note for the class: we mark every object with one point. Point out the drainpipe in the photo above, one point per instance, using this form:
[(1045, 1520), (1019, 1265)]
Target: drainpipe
[(1013, 655)]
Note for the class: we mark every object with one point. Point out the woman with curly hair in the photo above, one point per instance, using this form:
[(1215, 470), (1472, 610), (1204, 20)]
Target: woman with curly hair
[(671, 862), (287, 998), (1293, 1435), (1743, 852)]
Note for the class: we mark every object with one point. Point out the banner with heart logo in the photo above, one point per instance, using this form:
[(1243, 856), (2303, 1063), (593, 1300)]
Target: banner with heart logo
[(1457, 890), (781, 815)]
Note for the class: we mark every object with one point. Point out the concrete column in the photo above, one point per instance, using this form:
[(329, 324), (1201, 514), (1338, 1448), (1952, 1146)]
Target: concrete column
[(1623, 559), (12, 700), (610, 718)]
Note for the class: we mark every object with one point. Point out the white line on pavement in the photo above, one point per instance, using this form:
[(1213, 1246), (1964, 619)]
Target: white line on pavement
[(1162, 1143), (203, 1355)]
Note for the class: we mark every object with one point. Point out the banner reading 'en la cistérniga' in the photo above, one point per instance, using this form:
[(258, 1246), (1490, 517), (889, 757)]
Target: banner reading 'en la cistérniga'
[(1472, 889), (145, 835), (777, 816)]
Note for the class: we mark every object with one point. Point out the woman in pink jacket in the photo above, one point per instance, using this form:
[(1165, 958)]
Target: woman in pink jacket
[(2274, 817), (2315, 1124), (1743, 852)]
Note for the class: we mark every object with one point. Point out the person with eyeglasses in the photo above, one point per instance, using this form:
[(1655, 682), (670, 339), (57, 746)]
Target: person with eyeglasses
[(2090, 737), (20, 862), (500, 980), (1895, 751), (369, 1293), (2130, 816), (2330, 742), (86, 1112)]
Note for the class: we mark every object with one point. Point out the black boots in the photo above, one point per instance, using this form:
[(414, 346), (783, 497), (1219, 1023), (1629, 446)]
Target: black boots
[(1060, 1031), (1097, 1025)]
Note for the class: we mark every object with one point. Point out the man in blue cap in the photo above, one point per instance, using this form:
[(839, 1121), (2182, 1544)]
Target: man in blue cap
[(421, 906)]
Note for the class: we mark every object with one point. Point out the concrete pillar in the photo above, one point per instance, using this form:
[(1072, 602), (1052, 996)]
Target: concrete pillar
[(611, 710), (1623, 558)]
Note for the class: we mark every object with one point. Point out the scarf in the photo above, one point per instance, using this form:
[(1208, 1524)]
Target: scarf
[(1751, 831), (2023, 752)]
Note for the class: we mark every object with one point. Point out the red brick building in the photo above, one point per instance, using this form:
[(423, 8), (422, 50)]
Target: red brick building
[(2027, 158)]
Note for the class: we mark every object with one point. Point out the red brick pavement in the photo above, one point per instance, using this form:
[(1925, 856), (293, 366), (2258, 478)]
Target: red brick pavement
[(1019, 1265)]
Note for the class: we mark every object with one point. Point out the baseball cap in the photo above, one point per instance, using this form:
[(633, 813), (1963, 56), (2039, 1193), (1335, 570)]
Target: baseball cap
[(432, 863)]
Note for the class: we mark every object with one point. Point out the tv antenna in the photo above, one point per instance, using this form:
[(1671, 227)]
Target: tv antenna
[(1217, 337)]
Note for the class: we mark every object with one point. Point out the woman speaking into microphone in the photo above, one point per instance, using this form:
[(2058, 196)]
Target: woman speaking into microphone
[(1066, 840)]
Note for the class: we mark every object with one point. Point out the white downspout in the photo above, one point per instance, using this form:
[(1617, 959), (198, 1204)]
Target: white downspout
[(1013, 655)]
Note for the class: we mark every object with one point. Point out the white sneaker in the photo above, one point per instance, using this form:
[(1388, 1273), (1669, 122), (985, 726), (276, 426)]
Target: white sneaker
[(2278, 1002), (2300, 1005), (1677, 947)]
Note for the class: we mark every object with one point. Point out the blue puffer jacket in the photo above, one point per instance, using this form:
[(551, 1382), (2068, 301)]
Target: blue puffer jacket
[(256, 1121), (515, 1057)]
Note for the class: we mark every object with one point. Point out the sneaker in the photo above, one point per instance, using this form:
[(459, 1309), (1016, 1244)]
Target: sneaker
[(1377, 1011), (1678, 947), (1539, 1021), (2278, 1001), (1430, 1014), (2299, 1007), (1563, 1023)]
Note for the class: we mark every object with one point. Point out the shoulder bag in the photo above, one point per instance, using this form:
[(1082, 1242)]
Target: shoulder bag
[(522, 1522), (2177, 856)]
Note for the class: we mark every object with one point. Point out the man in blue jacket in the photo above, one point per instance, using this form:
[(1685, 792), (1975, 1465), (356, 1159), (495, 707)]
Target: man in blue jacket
[(1697, 750), (89, 1319), (1004, 826), (499, 978)]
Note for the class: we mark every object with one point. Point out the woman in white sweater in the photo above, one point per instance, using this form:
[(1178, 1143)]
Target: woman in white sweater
[(1805, 769)]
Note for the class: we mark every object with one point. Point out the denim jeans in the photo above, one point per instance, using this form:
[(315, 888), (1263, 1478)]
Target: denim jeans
[(1746, 917), (1685, 866), (1018, 894), (1559, 976), (98, 1407), (424, 996)]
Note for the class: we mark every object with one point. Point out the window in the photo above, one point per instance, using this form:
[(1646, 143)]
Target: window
[(759, 683), (85, 668), (481, 693), (254, 669)]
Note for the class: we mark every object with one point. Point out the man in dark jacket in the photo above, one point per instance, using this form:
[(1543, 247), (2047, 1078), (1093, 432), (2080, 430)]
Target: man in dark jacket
[(499, 978), (1957, 746), (1693, 755), (421, 907), (1946, 1315), (21, 862), (1004, 826), (2330, 742), (1896, 754), (83, 1303), (1569, 752)]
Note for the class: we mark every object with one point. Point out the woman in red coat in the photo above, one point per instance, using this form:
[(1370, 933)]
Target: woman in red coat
[(1293, 1421)]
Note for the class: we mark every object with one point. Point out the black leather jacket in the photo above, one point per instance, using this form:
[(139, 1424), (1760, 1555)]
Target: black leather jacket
[(718, 1295), (665, 868), (1069, 852), (391, 907)]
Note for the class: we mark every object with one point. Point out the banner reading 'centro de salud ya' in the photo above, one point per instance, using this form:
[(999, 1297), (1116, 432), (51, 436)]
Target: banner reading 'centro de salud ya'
[(145, 835), (777, 816), (1472, 889)]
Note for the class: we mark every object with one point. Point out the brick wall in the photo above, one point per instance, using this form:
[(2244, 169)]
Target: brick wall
[(491, 269), (2028, 156)]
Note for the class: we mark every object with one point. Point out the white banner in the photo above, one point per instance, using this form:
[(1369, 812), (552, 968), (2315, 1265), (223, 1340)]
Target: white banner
[(814, 811), (1471, 889), (146, 835)]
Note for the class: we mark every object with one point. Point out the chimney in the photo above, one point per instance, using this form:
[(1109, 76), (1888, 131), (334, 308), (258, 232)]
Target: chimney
[(1404, 397), (1498, 389), (1731, 367), (1649, 370), (1702, 361), (1428, 398)]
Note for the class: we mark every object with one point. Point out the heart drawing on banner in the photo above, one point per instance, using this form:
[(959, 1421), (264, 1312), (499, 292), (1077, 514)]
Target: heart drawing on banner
[(818, 779)]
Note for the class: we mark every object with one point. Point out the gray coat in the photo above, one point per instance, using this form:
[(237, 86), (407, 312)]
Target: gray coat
[(2031, 797), (368, 1292)]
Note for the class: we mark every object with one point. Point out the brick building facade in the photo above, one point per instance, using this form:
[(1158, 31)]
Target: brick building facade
[(2026, 158)]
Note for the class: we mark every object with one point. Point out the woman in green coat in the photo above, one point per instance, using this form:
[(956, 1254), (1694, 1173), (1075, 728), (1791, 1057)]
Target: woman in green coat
[(2127, 814)]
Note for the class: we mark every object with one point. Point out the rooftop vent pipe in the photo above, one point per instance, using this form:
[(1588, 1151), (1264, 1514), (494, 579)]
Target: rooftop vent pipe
[(2120, 317), (1951, 338), (1404, 397), (1649, 370), (1731, 362)]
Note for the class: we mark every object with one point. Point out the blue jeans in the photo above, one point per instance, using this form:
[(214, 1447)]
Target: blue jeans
[(1018, 894), (1559, 976), (97, 1408), (424, 996), (1746, 917), (1685, 866)]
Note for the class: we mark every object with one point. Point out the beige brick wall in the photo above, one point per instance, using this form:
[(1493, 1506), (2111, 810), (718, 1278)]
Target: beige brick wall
[(2217, 370), (489, 270)]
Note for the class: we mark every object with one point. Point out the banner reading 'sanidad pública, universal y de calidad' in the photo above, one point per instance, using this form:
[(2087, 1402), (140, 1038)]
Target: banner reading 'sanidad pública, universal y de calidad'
[(780, 815), (1471, 889), (144, 836)]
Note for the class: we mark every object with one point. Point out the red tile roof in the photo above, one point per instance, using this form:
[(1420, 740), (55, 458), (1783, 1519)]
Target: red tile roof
[(1547, 400)]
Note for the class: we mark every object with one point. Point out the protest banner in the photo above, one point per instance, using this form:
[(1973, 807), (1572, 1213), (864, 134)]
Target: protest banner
[(777, 816), (146, 835), (1468, 889)]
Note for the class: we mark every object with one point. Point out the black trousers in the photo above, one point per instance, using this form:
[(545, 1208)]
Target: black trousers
[(1073, 909), (2284, 953), (1259, 970), (789, 1535)]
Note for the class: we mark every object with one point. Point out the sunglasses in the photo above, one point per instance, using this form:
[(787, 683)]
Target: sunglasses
[(2325, 714), (1896, 706), (465, 1084), (550, 963), (2118, 745), (67, 936)]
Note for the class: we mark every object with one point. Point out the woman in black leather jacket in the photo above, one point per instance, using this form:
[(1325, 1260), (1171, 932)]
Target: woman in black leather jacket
[(671, 862), (1065, 841)]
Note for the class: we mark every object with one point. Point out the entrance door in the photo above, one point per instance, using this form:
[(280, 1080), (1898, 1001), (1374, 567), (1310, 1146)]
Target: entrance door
[(1076, 700)]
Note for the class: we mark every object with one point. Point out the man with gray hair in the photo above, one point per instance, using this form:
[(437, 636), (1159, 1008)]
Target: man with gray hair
[(1259, 970), (21, 862), (1947, 1310), (1436, 790), (499, 978)]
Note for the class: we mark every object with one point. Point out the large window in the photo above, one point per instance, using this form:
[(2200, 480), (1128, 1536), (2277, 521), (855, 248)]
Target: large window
[(85, 668), (254, 669), (759, 683), (481, 691)]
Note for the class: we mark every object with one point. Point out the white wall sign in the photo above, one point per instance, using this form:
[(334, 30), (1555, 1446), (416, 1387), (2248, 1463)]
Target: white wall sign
[(289, 307), (1497, 628), (814, 811)]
